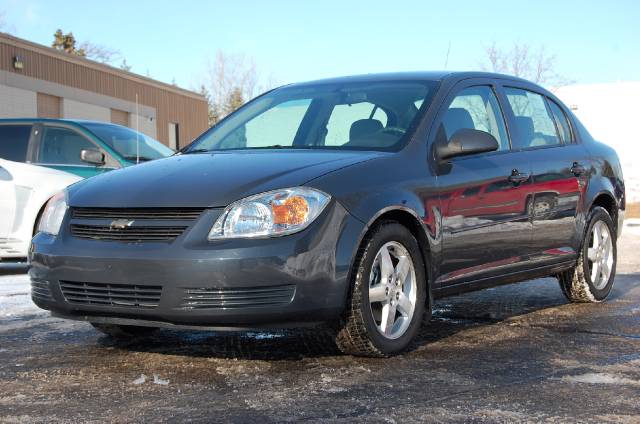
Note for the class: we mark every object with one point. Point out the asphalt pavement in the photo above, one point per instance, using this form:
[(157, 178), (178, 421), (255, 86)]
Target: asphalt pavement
[(517, 353)]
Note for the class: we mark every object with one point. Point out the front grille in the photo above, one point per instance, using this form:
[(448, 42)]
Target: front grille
[(164, 214), (129, 234), (125, 295), (224, 298), (40, 290), (140, 224)]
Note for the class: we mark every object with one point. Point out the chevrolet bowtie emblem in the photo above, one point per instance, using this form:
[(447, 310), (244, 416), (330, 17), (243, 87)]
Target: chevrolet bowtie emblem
[(121, 224)]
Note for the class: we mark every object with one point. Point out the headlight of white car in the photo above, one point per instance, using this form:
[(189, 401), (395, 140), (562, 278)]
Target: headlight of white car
[(274, 213), (53, 214)]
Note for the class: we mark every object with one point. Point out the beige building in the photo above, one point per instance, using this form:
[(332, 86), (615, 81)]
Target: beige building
[(38, 81)]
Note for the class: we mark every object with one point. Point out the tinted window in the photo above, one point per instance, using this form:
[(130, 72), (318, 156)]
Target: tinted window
[(14, 142), (499, 186), (475, 108), (534, 123), (62, 146), (471, 191), (561, 122), (275, 127), (344, 115), (129, 143)]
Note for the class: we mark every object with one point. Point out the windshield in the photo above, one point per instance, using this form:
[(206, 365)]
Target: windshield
[(123, 140), (364, 116)]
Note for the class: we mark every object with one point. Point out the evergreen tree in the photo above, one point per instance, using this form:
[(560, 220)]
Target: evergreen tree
[(66, 43)]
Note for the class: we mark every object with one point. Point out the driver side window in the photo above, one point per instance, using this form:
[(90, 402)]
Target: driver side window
[(62, 146), (475, 108)]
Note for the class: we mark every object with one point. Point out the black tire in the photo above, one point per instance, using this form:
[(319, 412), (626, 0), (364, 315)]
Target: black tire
[(124, 331), (357, 333), (576, 283)]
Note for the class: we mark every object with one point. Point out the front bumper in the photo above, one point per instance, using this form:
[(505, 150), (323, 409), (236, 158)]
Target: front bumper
[(253, 283), (13, 248)]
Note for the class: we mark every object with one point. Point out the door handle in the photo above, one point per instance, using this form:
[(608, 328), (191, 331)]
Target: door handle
[(577, 169), (518, 177)]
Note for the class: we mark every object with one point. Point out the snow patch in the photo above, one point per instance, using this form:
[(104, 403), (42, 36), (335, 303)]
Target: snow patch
[(160, 381), (140, 380), (15, 297), (597, 378)]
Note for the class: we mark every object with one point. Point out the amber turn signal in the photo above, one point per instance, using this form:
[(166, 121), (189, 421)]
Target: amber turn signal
[(291, 211)]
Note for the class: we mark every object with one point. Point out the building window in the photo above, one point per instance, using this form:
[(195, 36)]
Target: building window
[(49, 106), (174, 136)]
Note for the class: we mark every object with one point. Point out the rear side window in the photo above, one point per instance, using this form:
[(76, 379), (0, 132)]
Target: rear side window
[(14, 142), (561, 122), (62, 146), (475, 108), (534, 124)]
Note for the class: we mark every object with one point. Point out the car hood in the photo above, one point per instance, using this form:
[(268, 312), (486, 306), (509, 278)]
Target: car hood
[(209, 179)]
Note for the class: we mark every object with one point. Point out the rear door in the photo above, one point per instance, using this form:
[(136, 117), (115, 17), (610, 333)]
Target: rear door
[(486, 227), (559, 168)]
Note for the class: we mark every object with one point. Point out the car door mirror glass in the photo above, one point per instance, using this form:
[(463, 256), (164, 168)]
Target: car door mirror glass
[(94, 157), (467, 141)]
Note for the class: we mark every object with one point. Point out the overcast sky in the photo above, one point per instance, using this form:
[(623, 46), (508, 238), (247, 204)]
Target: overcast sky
[(595, 41)]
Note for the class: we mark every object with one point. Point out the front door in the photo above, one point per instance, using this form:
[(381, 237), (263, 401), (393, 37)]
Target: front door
[(484, 203), (60, 148)]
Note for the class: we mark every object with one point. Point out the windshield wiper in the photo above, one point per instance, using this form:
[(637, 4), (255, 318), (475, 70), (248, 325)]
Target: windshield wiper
[(138, 158), (273, 146), (196, 151)]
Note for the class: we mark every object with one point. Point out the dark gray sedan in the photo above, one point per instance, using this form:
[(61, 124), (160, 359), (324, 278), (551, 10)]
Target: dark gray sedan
[(351, 201)]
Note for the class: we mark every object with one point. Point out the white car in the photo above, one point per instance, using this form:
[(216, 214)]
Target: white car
[(24, 190)]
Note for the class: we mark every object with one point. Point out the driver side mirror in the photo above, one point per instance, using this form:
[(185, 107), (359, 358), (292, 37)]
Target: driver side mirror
[(94, 157), (467, 141)]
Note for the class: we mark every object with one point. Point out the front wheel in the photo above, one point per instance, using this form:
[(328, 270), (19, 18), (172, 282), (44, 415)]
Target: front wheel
[(387, 301), (592, 278)]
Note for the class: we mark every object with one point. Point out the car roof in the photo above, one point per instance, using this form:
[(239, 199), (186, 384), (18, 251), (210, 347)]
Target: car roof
[(80, 122), (411, 76)]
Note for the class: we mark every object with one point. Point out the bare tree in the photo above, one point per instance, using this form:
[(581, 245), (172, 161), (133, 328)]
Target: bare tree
[(525, 62), (100, 53), (228, 82), (4, 25), (67, 43)]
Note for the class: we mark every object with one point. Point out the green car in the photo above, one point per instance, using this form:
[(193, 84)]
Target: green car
[(83, 148)]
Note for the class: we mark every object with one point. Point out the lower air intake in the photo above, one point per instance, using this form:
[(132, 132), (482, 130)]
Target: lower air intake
[(228, 298), (125, 295)]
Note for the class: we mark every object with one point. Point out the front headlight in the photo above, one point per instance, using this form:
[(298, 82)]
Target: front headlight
[(53, 214), (274, 213)]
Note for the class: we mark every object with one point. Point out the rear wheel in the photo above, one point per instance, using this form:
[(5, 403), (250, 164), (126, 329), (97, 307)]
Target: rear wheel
[(387, 301), (124, 331), (592, 278)]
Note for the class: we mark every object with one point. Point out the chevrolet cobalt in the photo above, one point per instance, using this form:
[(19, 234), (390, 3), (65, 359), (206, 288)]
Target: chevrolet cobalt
[(351, 201)]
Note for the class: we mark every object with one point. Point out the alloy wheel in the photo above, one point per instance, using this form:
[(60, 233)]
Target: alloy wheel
[(600, 255), (392, 290)]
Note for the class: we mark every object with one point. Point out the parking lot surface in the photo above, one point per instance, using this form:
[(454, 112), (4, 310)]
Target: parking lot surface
[(517, 353)]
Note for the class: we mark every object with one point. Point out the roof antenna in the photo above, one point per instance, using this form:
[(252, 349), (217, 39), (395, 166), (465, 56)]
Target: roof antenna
[(446, 59), (137, 132)]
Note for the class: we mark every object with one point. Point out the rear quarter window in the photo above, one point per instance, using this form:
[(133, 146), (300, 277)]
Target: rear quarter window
[(14, 142), (564, 129)]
